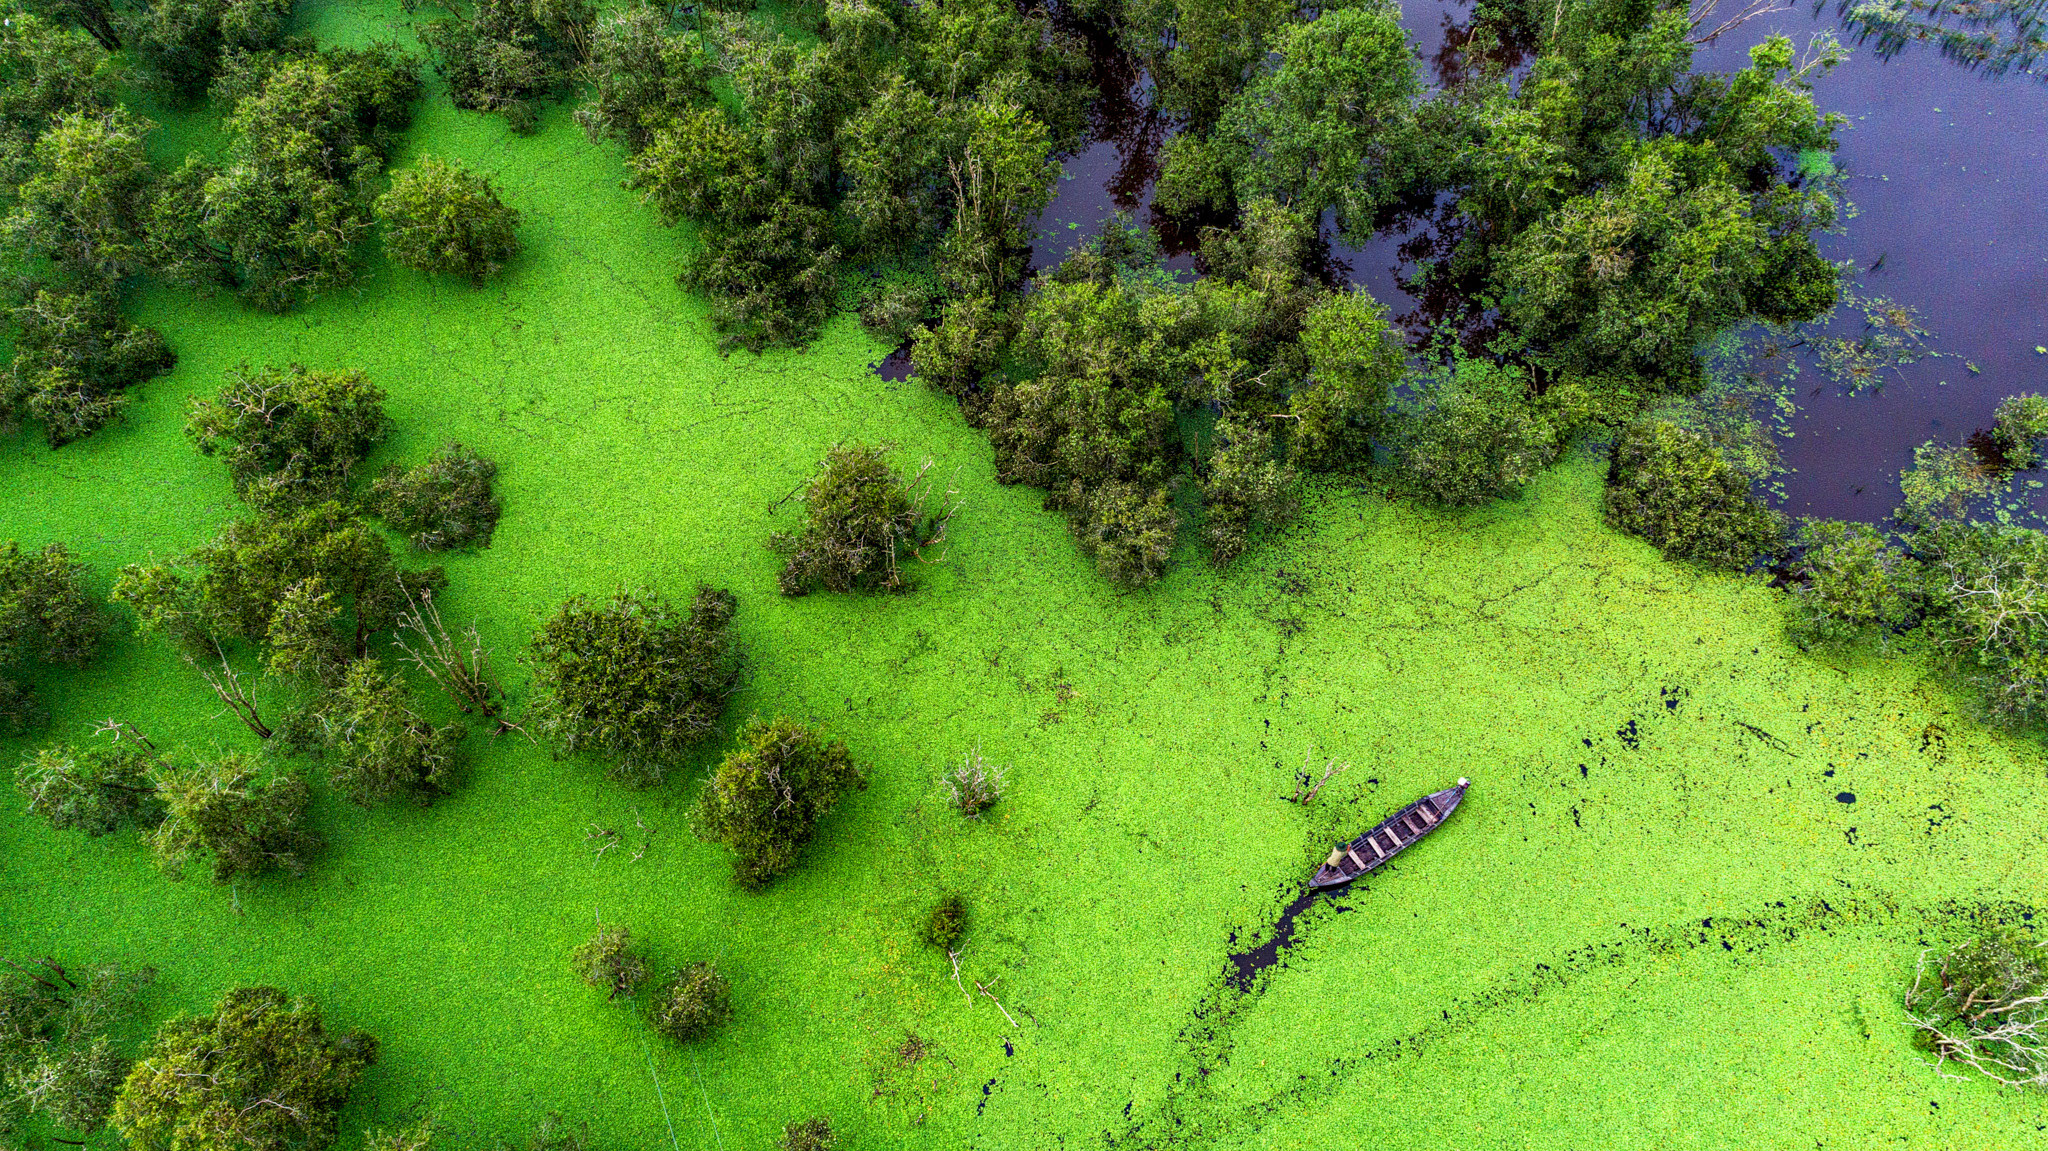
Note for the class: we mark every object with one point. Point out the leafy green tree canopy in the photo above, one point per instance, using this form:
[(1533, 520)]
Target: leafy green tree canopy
[(262, 1073), (291, 437), (46, 617), (442, 504), (633, 678), (766, 798), (860, 516), (440, 217), (230, 813)]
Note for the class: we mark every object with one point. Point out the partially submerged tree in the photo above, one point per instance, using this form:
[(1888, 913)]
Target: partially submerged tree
[(94, 789), (75, 357), (1671, 487), (179, 45), (634, 679), (379, 746), (1986, 610), (860, 519), (290, 437), (504, 56), (1983, 1005), (442, 504), (976, 784), (946, 924), (440, 217), (262, 1073), (57, 1060), (767, 796), (608, 962), (227, 811), (1853, 583), (1474, 434), (813, 1134), (692, 1003), (46, 617)]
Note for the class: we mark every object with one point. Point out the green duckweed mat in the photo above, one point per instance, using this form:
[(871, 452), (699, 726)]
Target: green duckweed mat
[(1677, 909)]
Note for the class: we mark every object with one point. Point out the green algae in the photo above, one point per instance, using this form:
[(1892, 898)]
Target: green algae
[(1653, 923)]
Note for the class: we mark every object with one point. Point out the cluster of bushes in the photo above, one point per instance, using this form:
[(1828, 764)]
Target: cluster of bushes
[(694, 1001), (60, 1055)]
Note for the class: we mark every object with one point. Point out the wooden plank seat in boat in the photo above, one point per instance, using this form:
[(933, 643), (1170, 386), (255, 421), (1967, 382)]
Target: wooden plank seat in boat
[(1393, 835)]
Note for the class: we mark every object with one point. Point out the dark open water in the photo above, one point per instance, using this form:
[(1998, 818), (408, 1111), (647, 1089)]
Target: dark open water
[(1948, 170)]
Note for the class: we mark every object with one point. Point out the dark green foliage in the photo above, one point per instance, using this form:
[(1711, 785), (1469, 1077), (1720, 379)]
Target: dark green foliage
[(84, 206), (1355, 358), (2019, 425), (767, 796), (46, 72), (946, 924), (314, 587), (379, 746), (508, 54), (1942, 483), (1473, 435), (965, 346), (1986, 589), (1202, 53), (1982, 1006), (608, 962), (281, 222), (290, 437), (634, 679), (640, 69), (892, 310), (443, 504), (441, 217), (179, 45), (1671, 487), (75, 356), (100, 19), (774, 281), (46, 617), (693, 1003), (1854, 582), (813, 1134), (1328, 123), (247, 825), (91, 789), (1246, 486), (262, 1073), (860, 517), (56, 1059)]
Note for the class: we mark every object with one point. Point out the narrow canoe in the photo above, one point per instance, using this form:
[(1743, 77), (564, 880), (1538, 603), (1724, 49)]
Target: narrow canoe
[(1389, 839)]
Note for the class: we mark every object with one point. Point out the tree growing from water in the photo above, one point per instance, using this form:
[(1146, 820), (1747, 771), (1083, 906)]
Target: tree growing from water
[(692, 1003), (240, 820), (860, 519), (607, 962), (290, 436), (1671, 487), (633, 678), (767, 797), (440, 217), (1983, 1005), (443, 504), (46, 617), (57, 1058), (261, 1073)]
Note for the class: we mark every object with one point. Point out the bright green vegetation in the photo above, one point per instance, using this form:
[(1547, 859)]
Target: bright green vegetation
[(1653, 848)]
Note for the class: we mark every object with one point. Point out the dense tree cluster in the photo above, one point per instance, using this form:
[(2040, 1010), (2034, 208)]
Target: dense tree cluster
[(901, 135), (281, 220), (504, 56)]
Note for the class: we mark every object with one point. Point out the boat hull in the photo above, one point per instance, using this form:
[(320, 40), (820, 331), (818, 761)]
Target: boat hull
[(1360, 857)]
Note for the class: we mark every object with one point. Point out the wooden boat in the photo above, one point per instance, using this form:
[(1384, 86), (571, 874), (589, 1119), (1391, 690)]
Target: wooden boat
[(1389, 839)]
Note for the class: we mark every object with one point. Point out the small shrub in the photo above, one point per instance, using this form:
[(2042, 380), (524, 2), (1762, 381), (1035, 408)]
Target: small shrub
[(771, 283), (1474, 436), (976, 784), (507, 54), (859, 519), (813, 1134), (946, 923), (766, 798), (1984, 1005), (552, 1133), (75, 356), (608, 962), (382, 748), (1669, 486), (442, 218), (262, 1073), (634, 678), (2018, 427), (693, 1003), (46, 616), (249, 826), (1856, 582), (442, 504)]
